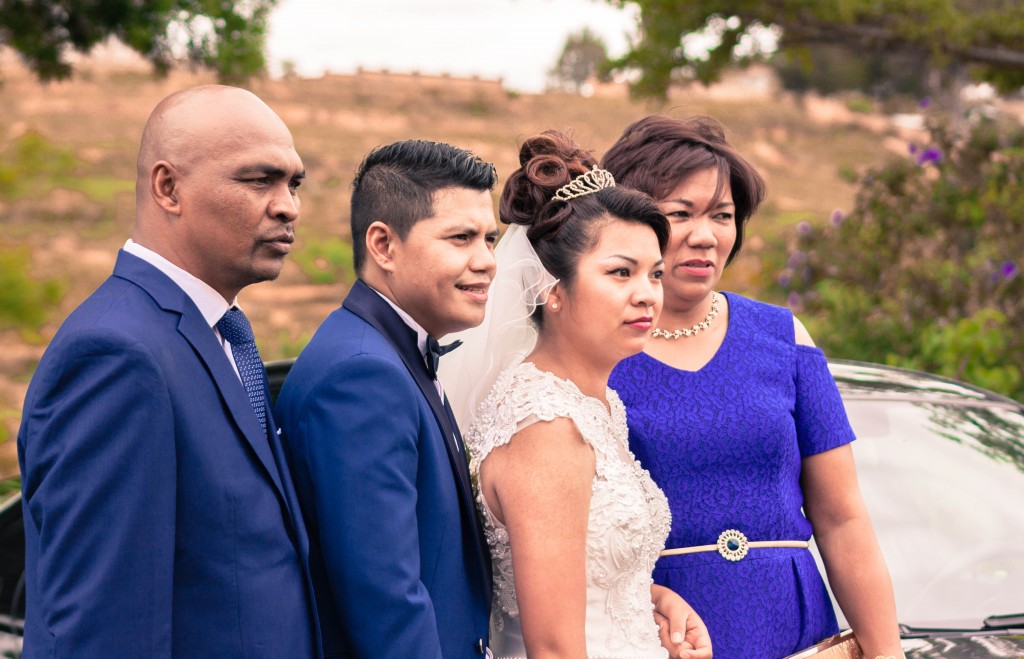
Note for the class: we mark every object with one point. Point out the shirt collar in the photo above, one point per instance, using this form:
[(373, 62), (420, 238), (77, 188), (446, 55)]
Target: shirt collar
[(421, 334), (210, 303)]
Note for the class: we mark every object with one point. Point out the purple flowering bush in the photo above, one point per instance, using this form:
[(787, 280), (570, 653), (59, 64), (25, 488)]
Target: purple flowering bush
[(925, 272)]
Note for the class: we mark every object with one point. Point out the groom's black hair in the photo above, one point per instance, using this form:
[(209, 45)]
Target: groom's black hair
[(395, 184)]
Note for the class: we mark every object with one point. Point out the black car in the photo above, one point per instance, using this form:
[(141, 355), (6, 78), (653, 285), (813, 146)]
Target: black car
[(941, 465), (12, 574)]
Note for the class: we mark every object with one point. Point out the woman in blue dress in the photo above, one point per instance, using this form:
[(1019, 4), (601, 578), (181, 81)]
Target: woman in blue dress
[(733, 411)]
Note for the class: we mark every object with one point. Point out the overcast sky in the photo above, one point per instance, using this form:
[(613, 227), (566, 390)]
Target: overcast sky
[(517, 40)]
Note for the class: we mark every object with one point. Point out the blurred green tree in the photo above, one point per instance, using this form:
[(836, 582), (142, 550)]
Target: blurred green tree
[(227, 37), (831, 68), (583, 56), (985, 36), (926, 271)]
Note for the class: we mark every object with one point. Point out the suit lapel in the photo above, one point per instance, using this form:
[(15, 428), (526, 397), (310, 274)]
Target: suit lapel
[(195, 330), (368, 305), (192, 326), (482, 552), (288, 488), (265, 445)]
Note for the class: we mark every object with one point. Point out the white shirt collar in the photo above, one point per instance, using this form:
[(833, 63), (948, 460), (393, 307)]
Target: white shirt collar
[(421, 334), (210, 303)]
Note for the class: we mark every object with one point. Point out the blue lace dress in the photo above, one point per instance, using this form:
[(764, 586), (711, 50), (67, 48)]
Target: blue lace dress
[(725, 444)]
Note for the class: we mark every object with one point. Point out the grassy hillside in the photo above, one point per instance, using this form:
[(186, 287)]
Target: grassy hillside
[(67, 154)]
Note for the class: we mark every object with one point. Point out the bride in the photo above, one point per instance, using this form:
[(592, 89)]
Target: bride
[(574, 524)]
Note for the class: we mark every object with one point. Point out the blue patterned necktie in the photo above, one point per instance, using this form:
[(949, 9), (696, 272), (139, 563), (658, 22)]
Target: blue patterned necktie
[(237, 331)]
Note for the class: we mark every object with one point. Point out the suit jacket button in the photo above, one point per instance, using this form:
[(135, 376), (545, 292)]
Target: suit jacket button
[(480, 646)]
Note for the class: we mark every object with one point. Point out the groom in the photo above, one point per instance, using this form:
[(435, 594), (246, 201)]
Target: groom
[(399, 563)]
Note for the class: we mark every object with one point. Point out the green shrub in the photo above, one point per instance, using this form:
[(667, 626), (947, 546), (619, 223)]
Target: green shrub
[(9, 420), (285, 346), (102, 189), (926, 271), (972, 349), (325, 261), (859, 104), (33, 166), (25, 302), (9, 486)]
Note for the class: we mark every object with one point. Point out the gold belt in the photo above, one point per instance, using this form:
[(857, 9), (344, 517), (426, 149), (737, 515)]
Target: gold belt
[(733, 546)]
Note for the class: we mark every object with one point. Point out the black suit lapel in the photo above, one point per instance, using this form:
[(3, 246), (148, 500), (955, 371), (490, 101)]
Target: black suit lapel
[(368, 305)]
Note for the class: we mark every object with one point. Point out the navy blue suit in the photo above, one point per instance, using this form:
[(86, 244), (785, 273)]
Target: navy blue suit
[(400, 567), (160, 520)]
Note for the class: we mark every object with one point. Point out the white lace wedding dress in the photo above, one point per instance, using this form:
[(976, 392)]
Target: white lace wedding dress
[(629, 516)]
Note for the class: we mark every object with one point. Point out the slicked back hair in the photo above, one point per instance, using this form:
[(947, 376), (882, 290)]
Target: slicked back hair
[(395, 184)]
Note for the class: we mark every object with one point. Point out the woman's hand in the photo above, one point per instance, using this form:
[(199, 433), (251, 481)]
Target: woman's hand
[(682, 631)]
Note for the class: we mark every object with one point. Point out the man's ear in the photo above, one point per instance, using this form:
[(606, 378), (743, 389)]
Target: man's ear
[(163, 187), (381, 241)]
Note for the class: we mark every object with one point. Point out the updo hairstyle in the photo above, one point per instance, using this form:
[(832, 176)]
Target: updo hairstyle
[(657, 153), (562, 231)]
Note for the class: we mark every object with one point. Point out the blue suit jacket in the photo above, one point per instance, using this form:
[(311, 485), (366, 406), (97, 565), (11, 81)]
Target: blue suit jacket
[(400, 567), (159, 517)]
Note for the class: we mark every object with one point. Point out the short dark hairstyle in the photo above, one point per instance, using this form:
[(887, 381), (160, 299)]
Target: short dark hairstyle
[(395, 184), (562, 231), (657, 153)]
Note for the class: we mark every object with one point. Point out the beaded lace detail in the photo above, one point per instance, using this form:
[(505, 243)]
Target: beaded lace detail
[(629, 516)]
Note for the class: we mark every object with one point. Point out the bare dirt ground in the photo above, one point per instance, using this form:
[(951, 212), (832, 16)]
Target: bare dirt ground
[(800, 145)]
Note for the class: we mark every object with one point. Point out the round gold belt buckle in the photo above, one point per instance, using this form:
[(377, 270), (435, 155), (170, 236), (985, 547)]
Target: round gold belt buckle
[(732, 545)]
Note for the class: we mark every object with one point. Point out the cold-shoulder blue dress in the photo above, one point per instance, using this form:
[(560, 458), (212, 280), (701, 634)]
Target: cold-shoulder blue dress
[(725, 443)]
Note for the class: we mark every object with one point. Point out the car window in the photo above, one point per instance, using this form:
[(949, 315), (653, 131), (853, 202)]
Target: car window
[(944, 485)]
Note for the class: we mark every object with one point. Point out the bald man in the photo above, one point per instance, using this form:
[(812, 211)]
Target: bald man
[(160, 520)]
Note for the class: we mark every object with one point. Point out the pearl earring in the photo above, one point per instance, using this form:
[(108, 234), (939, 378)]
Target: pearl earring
[(554, 306)]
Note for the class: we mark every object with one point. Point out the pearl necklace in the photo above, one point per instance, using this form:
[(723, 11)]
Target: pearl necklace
[(699, 327)]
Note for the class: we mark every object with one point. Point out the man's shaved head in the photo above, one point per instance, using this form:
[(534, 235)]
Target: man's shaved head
[(181, 125)]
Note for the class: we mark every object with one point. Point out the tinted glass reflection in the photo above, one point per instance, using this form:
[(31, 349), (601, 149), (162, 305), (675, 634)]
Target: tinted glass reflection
[(944, 483)]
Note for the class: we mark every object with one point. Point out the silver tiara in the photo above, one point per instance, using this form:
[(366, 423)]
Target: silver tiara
[(588, 183)]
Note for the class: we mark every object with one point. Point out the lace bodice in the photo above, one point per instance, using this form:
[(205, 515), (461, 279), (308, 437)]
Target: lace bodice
[(628, 522)]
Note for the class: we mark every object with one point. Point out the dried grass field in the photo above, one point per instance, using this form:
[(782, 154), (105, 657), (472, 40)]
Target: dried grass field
[(67, 155)]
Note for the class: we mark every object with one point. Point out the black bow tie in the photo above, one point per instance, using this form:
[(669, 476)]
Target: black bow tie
[(434, 352)]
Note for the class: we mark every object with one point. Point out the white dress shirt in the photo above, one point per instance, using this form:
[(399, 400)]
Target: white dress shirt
[(421, 339), (210, 303)]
